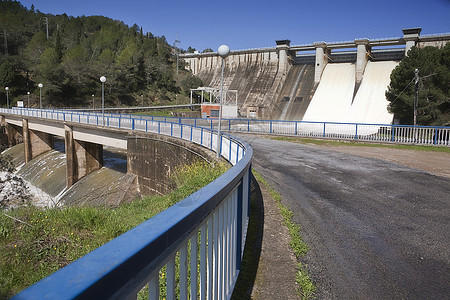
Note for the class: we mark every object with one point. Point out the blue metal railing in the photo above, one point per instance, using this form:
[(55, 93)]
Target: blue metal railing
[(383, 133), (206, 230)]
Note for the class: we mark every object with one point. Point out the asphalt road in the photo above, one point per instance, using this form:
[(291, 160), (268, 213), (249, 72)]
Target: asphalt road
[(376, 230)]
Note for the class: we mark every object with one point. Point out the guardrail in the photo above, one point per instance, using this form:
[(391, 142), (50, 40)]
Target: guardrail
[(382, 133), (202, 236)]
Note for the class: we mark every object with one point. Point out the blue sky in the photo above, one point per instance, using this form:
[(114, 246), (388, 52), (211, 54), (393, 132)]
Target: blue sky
[(245, 24)]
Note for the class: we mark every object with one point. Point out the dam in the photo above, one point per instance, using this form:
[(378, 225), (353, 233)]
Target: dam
[(327, 82)]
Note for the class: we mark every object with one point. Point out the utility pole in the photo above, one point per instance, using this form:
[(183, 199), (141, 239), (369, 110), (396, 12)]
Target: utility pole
[(416, 82), (176, 50), (46, 25), (6, 41)]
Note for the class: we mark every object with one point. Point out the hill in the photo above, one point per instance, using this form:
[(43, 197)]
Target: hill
[(69, 54)]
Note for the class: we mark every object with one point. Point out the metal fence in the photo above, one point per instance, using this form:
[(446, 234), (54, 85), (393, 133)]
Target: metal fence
[(191, 250), (382, 133)]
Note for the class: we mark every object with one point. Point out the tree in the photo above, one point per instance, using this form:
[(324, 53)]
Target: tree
[(434, 87)]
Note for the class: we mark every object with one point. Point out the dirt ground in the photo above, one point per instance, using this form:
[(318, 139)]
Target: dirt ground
[(437, 163)]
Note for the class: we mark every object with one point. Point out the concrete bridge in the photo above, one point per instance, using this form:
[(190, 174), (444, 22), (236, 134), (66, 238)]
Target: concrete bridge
[(84, 149)]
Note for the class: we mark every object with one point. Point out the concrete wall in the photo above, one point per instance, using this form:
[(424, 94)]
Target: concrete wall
[(154, 159), (256, 75)]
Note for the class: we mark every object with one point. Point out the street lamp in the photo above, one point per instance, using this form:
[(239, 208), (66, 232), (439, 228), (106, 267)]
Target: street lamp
[(7, 97), (40, 85), (93, 101), (223, 52), (103, 80), (28, 95)]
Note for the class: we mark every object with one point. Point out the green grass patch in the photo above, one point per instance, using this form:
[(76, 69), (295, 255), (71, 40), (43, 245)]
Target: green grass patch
[(323, 142), (299, 247), (36, 242)]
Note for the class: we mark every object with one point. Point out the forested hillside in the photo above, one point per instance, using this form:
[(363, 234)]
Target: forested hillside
[(70, 57)]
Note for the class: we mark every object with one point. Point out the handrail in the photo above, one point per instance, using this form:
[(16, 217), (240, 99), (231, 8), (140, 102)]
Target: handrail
[(216, 215), (368, 132)]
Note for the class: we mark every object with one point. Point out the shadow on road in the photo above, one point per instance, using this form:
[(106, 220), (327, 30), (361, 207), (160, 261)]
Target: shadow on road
[(252, 251)]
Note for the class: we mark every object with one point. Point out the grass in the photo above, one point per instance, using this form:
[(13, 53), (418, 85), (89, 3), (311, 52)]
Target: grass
[(299, 247), (36, 242), (322, 142)]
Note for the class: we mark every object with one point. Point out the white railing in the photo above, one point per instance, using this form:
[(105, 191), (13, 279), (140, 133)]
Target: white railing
[(191, 250)]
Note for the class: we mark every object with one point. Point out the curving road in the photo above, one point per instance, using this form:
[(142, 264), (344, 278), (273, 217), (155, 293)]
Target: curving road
[(376, 230)]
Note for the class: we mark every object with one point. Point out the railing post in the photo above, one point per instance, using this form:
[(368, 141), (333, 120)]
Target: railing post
[(356, 131), (435, 135), (201, 136), (239, 226), (392, 132), (295, 127), (270, 127), (248, 125), (324, 124)]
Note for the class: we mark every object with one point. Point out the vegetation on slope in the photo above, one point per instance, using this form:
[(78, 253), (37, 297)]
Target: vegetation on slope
[(35, 242), (140, 68)]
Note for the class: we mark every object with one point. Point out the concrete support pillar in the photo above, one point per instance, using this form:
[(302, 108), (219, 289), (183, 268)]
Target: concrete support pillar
[(411, 36), (362, 51), (81, 157), (26, 141), (35, 142), (283, 49), (322, 55)]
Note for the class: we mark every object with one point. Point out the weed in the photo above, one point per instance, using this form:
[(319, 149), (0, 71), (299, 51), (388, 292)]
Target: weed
[(35, 242), (322, 142), (299, 247)]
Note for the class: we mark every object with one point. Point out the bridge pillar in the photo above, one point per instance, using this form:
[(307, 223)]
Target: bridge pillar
[(81, 157), (35, 142), (362, 56), (322, 55), (9, 134), (411, 36), (283, 49)]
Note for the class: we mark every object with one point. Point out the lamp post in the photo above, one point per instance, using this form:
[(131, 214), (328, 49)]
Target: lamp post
[(103, 80), (28, 97), (7, 97), (93, 101), (40, 85), (223, 52)]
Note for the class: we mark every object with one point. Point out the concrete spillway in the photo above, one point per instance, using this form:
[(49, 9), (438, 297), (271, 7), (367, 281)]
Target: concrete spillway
[(333, 98), (334, 101), (291, 93), (47, 173), (370, 104)]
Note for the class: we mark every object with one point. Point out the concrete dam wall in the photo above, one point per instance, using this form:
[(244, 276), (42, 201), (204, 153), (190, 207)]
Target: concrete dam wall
[(326, 82), (256, 76)]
